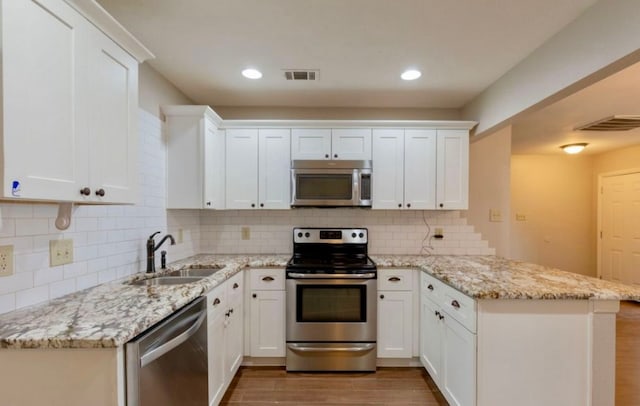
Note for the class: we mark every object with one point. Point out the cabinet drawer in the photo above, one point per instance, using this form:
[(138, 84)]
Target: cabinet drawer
[(267, 279), (431, 288), (395, 279), (216, 302), (234, 286), (459, 306)]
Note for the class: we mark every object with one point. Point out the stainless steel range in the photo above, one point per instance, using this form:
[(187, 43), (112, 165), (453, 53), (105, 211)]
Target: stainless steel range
[(331, 301)]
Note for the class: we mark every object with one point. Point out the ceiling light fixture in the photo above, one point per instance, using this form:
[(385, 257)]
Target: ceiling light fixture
[(574, 148), (411, 74), (251, 73)]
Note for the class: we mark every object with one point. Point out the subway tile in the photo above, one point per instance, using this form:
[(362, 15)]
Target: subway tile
[(31, 262), (61, 288), (74, 270), (16, 282), (32, 296), (86, 281), (27, 226), (7, 303), (47, 276)]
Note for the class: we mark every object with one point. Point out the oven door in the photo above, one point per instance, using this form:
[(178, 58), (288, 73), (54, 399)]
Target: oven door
[(331, 309)]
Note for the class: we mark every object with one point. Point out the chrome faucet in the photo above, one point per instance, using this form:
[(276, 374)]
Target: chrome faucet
[(151, 250)]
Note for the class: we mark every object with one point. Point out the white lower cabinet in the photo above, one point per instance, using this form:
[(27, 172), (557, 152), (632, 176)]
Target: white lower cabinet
[(395, 313), (224, 331), (448, 340), (267, 325)]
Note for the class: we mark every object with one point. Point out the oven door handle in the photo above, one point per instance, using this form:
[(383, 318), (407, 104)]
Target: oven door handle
[(368, 275), (359, 348)]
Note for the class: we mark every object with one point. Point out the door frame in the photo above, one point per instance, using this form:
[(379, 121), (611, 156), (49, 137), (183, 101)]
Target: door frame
[(599, 191)]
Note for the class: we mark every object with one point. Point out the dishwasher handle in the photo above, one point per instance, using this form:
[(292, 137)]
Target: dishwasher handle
[(158, 352)]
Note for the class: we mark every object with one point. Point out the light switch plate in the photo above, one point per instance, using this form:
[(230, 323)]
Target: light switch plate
[(521, 217), (60, 252), (6, 260), (246, 233), (495, 215)]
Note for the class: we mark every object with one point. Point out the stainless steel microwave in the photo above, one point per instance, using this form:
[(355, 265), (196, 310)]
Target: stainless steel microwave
[(330, 183)]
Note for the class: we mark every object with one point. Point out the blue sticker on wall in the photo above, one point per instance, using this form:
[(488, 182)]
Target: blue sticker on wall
[(15, 188)]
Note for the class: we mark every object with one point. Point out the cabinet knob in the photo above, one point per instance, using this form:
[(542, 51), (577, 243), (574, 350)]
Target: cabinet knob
[(227, 314), (408, 204), (254, 296), (268, 279), (261, 204), (208, 203), (231, 311), (326, 155), (455, 304), (381, 296), (394, 279), (437, 313), (253, 205), (100, 192), (85, 191), (335, 155), (399, 204), (440, 316), (216, 301), (430, 287), (441, 205), (236, 286)]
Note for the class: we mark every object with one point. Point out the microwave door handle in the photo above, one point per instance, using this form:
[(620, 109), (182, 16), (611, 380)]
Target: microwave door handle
[(293, 187), (355, 197)]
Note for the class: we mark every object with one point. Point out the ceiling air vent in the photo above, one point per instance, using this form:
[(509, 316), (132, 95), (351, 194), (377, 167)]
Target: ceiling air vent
[(301, 74), (613, 123)]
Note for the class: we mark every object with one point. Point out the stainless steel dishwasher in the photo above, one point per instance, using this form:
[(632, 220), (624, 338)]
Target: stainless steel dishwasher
[(167, 365)]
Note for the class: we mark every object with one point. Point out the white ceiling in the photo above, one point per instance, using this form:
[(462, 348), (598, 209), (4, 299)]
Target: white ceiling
[(362, 46)]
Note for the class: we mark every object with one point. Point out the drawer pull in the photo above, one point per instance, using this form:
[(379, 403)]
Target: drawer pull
[(455, 304), (216, 302), (394, 279), (437, 313), (430, 287), (236, 286), (268, 279), (441, 316)]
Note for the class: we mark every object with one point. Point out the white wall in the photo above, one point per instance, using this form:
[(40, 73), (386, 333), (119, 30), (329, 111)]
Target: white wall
[(390, 231), (555, 193), (489, 188), (108, 241), (334, 113)]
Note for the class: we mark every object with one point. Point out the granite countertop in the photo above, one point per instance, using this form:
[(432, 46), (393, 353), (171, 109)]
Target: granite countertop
[(109, 315)]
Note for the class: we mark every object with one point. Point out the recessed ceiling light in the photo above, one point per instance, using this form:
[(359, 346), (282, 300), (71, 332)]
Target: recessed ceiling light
[(411, 74), (251, 73), (574, 148)]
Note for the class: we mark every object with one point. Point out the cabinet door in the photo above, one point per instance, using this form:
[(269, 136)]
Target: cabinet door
[(430, 338), (458, 383), (453, 170), (267, 323), (388, 179), (310, 143), (274, 162), (234, 342), (214, 163), (216, 322), (113, 117), (241, 168), (351, 143), (44, 100), (395, 318), (420, 169)]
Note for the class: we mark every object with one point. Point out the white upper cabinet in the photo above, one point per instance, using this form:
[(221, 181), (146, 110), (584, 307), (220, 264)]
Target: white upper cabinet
[(195, 158), (69, 105), (257, 169), (344, 144), (404, 169), (453, 170)]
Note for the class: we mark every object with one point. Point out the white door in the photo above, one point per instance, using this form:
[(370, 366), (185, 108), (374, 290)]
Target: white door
[(267, 323), (233, 340), (620, 228), (216, 331), (395, 318), (310, 143), (388, 161), (214, 163), (241, 169), (430, 338), (274, 161), (44, 78), (420, 169), (351, 144), (452, 170), (458, 384), (113, 101)]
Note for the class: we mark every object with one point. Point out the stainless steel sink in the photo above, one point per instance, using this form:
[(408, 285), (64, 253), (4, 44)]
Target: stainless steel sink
[(194, 272), (165, 280)]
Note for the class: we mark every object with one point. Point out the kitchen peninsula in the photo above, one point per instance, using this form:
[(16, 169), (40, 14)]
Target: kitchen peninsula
[(531, 323)]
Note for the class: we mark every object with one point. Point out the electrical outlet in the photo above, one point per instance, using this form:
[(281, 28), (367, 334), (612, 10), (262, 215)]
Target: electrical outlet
[(437, 233), (521, 217), (180, 236), (246, 233), (6, 260), (60, 252)]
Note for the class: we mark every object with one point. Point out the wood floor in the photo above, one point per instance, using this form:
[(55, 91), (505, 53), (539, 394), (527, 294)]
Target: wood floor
[(408, 386)]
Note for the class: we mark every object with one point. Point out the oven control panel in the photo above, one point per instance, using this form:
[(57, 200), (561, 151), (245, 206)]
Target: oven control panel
[(330, 235)]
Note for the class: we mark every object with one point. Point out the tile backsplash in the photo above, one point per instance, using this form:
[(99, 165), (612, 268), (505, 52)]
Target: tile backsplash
[(109, 241)]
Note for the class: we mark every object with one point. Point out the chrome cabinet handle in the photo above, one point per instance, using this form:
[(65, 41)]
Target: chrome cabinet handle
[(268, 279), (394, 279), (455, 304)]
